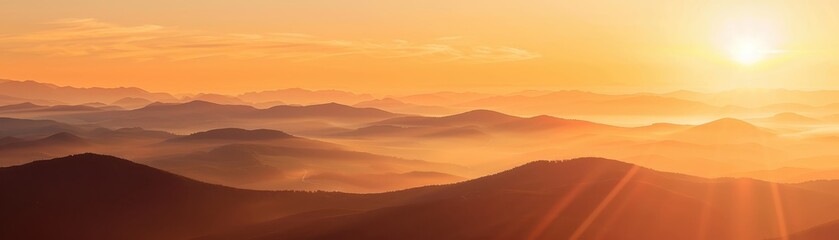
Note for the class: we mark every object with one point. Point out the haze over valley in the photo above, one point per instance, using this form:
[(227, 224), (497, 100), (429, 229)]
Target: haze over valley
[(470, 119)]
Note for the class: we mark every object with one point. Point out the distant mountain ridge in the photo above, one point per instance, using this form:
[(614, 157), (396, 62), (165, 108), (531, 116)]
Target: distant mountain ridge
[(74, 95), (202, 115)]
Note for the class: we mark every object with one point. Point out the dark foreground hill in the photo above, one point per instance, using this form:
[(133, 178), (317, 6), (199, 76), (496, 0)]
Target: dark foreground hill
[(99, 197), (574, 199), (90, 196)]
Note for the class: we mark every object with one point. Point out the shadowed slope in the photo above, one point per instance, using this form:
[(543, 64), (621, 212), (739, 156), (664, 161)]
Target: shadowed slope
[(90, 196), (578, 199), (99, 197)]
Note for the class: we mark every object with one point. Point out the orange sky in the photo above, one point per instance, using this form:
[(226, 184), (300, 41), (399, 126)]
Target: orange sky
[(406, 46)]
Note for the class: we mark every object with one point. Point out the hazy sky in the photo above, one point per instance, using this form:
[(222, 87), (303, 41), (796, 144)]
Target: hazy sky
[(404, 46)]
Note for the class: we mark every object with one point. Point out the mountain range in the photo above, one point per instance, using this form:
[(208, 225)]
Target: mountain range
[(101, 197)]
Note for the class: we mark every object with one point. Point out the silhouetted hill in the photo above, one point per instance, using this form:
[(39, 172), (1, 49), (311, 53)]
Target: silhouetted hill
[(725, 130), (730, 124), (168, 115), (477, 123), (89, 196), (193, 107), (132, 102), (575, 199), (328, 110), (27, 127), (20, 107), (228, 165), (102, 106), (8, 100), (59, 144), (474, 117), (235, 134), (216, 98), (543, 122), (789, 118), (68, 108), (127, 134), (63, 137), (62, 140)]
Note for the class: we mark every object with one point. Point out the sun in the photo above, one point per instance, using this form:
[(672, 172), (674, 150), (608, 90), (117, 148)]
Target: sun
[(748, 51)]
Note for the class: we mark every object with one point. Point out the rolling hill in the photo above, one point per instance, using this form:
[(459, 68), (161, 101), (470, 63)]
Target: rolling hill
[(100, 197), (573, 199), (725, 130), (90, 196)]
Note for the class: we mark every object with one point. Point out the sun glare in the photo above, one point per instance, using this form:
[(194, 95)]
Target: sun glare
[(748, 51)]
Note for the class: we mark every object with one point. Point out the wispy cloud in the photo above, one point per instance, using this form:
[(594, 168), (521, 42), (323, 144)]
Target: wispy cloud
[(90, 37)]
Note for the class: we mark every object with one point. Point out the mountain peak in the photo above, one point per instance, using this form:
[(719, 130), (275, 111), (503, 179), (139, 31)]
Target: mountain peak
[(132, 101), (200, 103), (725, 131), (728, 123), (482, 115), (64, 137), (791, 117), (480, 112), (549, 166), (80, 164), (330, 105)]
